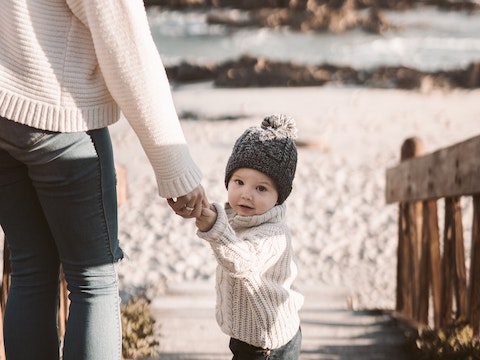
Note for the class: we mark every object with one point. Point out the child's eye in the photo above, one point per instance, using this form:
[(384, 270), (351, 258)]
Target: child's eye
[(238, 182), (261, 188)]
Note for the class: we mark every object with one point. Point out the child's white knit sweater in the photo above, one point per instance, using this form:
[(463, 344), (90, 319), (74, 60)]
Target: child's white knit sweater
[(74, 65), (256, 302)]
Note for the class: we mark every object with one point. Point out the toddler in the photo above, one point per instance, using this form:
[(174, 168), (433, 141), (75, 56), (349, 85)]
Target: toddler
[(257, 306)]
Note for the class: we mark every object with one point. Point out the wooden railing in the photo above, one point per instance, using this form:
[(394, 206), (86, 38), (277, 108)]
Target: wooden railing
[(431, 268)]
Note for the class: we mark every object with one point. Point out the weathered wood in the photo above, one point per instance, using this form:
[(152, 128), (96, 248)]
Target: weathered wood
[(414, 236), (460, 273), (404, 294), (474, 289), (452, 171), (425, 272), (408, 267), (407, 235), (447, 268), (435, 259), (455, 280)]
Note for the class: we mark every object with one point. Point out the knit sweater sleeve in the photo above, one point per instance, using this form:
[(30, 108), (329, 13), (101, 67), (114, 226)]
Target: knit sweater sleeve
[(136, 79)]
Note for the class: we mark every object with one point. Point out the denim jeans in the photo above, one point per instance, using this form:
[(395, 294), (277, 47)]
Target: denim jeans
[(289, 351), (58, 205)]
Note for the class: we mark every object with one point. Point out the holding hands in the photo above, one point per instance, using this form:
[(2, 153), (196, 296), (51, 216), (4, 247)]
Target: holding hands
[(195, 205), (189, 205)]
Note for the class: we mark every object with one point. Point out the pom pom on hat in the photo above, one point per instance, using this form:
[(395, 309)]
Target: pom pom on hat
[(269, 149), (281, 123)]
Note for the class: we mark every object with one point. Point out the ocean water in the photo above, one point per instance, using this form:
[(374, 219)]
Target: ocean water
[(429, 40)]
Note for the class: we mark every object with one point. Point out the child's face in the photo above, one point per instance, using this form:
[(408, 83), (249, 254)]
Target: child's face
[(251, 192)]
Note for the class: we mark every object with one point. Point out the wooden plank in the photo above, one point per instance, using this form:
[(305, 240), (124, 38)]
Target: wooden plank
[(460, 273), (452, 171), (447, 266), (415, 234), (404, 283), (474, 288), (406, 227), (435, 271), (455, 280), (424, 267)]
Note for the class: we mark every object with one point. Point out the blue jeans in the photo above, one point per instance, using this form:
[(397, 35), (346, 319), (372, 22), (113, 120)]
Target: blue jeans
[(58, 205), (289, 351)]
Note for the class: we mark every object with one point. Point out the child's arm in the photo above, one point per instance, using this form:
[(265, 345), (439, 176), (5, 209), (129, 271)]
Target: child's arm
[(207, 218)]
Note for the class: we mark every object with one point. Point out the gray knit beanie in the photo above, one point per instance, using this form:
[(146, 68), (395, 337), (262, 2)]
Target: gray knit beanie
[(269, 149)]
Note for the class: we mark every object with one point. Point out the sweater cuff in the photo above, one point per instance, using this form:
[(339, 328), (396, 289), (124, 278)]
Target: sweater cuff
[(181, 185), (175, 171)]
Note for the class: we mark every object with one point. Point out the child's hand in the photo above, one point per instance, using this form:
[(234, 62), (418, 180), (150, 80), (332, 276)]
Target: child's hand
[(207, 218)]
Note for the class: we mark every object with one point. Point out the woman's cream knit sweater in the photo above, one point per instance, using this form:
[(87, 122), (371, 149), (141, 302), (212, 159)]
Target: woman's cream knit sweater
[(75, 65), (256, 300)]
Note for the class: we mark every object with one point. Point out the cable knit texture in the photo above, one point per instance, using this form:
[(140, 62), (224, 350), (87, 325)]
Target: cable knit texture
[(256, 302), (75, 65)]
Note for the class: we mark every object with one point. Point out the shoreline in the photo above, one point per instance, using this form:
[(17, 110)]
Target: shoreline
[(260, 72)]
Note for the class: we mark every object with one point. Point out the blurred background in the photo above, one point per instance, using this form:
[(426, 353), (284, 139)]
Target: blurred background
[(424, 37)]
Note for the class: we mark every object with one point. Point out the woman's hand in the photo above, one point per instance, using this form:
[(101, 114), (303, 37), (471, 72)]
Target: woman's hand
[(191, 204)]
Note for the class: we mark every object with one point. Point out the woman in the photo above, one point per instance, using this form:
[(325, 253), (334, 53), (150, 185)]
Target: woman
[(68, 68)]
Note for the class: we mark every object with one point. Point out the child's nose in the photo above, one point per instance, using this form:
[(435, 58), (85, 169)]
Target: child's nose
[(247, 194)]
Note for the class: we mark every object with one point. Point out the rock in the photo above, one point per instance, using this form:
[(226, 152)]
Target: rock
[(250, 71), (377, 23), (191, 73)]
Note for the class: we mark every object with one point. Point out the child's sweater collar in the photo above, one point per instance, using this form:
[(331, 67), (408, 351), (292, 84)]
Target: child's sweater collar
[(275, 214)]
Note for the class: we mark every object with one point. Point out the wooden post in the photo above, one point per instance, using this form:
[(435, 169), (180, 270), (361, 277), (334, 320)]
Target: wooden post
[(432, 235), (447, 262), (474, 289), (407, 265), (454, 273), (415, 239), (460, 272), (430, 266)]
